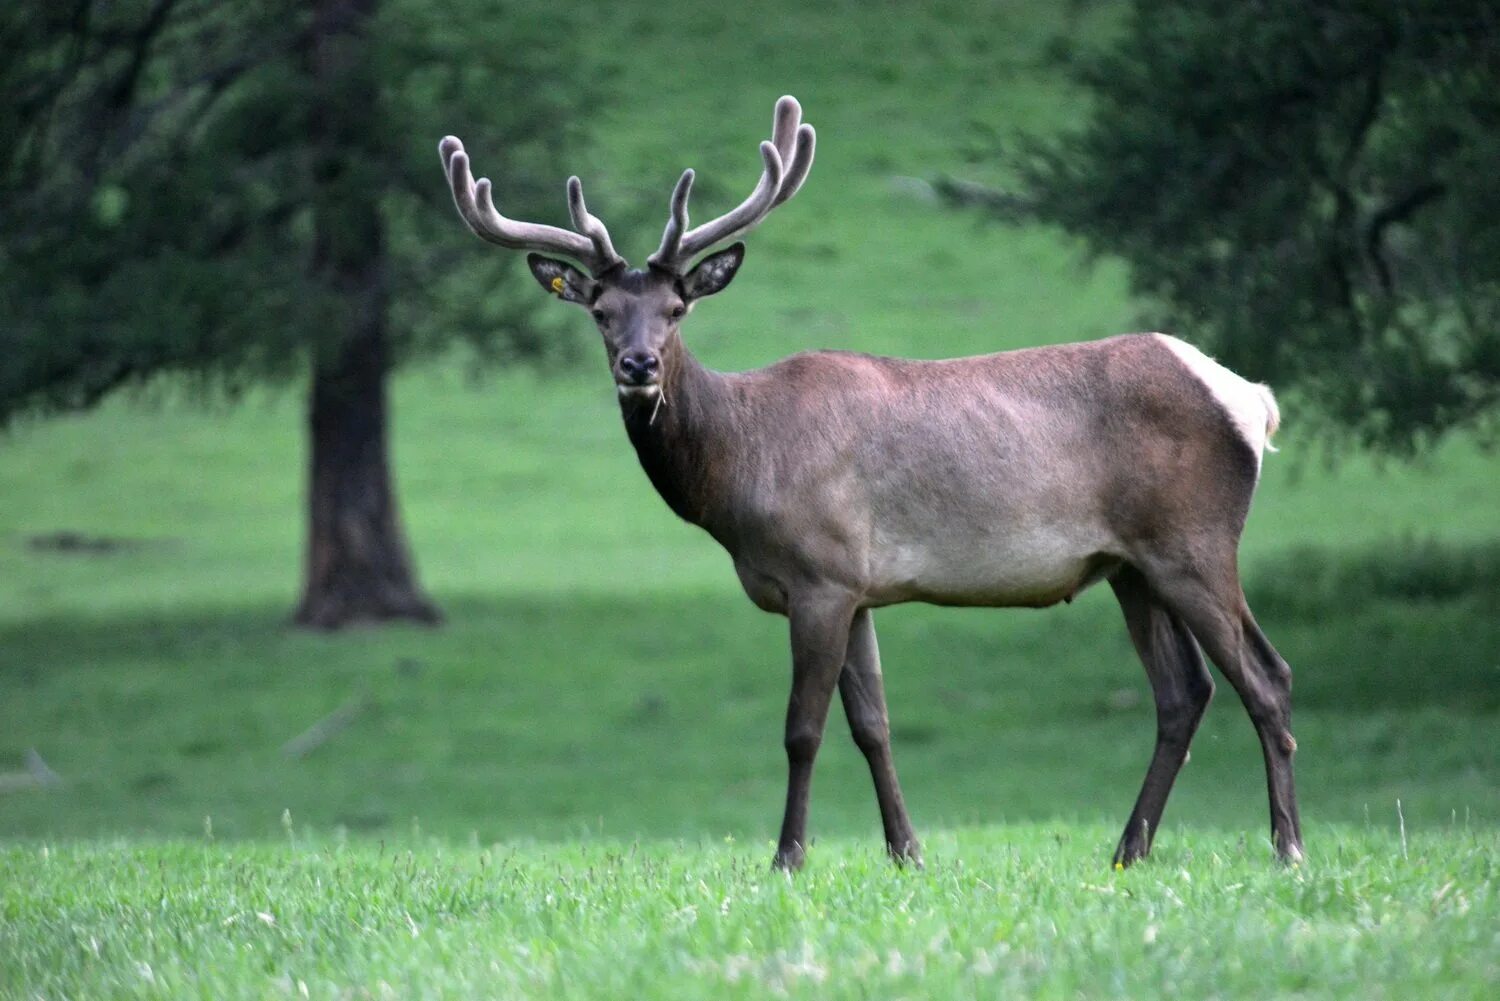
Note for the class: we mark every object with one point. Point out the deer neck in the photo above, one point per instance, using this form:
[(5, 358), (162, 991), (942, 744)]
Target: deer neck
[(685, 439)]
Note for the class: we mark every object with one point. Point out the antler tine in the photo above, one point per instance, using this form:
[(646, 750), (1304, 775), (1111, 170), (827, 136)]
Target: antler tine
[(800, 164), (794, 141), (784, 124), (788, 158), (677, 222), (591, 226), (744, 216), (476, 204)]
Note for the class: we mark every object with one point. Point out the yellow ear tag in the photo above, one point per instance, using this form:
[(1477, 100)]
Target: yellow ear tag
[(557, 285)]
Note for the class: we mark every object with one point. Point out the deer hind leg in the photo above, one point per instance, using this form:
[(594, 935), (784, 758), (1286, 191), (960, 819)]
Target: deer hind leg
[(1213, 606), (863, 693), (1182, 687), (820, 624)]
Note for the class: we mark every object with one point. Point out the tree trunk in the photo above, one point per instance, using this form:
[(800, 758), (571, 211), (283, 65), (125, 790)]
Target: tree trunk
[(358, 566)]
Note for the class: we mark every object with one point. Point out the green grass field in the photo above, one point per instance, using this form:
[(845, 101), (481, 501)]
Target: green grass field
[(1020, 911), (571, 789)]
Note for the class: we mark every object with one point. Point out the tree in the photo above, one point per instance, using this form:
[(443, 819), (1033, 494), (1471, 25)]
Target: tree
[(237, 192), (1311, 188)]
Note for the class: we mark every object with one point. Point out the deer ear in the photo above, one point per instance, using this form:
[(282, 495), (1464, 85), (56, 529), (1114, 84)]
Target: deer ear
[(713, 273), (562, 279)]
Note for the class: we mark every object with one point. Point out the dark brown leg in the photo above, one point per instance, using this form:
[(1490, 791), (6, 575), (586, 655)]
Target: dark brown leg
[(1276, 740), (820, 639), (863, 693), (1182, 688), (1215, 610)]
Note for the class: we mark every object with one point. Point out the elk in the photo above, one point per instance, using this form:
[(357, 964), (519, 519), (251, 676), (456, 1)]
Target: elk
[(840, 483)]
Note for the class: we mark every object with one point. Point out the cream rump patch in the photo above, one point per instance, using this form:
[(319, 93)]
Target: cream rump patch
[(1251, 407)]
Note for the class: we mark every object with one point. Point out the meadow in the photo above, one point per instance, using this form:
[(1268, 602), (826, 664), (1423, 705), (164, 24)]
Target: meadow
[(570, 789)]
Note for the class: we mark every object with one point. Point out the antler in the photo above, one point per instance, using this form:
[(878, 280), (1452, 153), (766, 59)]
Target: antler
[(590, 246), (787, 157)]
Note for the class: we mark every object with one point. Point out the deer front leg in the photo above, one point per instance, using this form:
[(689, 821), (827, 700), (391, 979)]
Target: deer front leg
[(863, 692), (820, 640)]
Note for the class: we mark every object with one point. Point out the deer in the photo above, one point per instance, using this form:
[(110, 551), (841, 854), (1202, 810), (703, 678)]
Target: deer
[(840, 483)]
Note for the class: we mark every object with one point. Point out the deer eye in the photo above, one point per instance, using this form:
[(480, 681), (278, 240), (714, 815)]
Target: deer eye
[(600, 318), (678, 311)]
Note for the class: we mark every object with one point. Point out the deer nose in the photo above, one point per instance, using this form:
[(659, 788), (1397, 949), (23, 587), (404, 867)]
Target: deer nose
[(639, 367)]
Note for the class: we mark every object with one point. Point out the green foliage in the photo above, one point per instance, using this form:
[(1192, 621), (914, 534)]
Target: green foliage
[(1311, 189), (157, 209)]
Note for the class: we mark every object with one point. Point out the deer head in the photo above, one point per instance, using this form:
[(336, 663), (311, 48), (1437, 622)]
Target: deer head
[(638, 312)]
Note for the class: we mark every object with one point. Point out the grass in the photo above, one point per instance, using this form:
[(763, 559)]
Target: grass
[(599, 720), (1021, 911), (660, 716)]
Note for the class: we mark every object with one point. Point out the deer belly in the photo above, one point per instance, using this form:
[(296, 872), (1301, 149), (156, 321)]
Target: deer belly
[(1033, 568)]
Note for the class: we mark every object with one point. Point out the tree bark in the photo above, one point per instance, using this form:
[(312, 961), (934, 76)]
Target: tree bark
[(358, 567)]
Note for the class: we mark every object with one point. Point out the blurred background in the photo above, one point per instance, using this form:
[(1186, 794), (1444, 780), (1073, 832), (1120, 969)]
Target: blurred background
[(310, 502)]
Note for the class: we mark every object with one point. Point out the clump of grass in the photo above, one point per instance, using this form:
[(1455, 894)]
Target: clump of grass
[(1316, 580)]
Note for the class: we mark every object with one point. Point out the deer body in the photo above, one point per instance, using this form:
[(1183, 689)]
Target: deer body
[(840, 483), (989, 481)]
